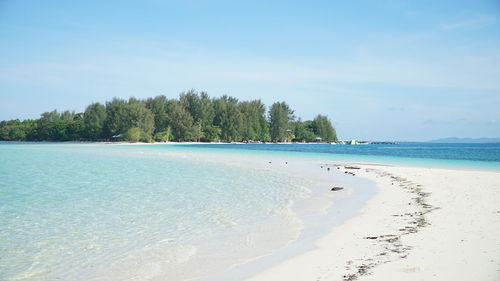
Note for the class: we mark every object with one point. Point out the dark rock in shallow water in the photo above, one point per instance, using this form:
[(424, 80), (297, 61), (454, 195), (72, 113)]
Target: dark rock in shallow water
[(352, 167), (337, 188)]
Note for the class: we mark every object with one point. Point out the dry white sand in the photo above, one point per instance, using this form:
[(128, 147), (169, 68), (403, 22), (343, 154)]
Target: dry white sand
[(424, 224)]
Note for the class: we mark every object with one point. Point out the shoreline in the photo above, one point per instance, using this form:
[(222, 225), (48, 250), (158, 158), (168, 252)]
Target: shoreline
[(203, 263), (404, 208), (337, 207), (343, 206), (423, 224)]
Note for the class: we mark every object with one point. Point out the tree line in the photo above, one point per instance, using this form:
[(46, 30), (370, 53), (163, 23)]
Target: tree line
[(192, 117)]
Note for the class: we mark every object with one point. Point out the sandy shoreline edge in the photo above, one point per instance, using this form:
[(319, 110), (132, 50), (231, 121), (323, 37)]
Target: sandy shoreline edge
[(424, 224)]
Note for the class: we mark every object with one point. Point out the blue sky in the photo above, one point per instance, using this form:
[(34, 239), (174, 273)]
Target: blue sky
[(381, 70)]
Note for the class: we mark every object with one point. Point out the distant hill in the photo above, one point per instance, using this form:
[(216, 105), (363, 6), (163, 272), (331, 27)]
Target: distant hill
[(467, 140)]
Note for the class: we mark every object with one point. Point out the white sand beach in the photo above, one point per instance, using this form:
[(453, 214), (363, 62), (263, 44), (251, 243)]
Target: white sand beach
[(423, 224)]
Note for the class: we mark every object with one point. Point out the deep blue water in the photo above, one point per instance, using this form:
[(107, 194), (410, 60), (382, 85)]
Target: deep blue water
[(477, 152), (485, 155)]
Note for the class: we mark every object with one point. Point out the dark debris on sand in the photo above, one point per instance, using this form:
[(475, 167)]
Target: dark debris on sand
[(392, 248)]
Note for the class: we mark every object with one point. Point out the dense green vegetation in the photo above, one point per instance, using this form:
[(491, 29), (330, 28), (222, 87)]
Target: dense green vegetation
[(192, 117)]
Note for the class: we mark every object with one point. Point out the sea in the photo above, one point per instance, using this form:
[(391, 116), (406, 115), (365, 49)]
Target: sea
[(481, 156), (84, 211)]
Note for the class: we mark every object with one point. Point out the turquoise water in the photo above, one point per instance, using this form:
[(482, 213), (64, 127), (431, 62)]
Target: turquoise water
[(79, 212), (485, 156)]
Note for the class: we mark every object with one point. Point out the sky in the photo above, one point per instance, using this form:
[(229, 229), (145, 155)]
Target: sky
[(380, 70)]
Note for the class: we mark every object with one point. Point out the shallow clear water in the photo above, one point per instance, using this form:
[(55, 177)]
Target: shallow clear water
[(74, 211)]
